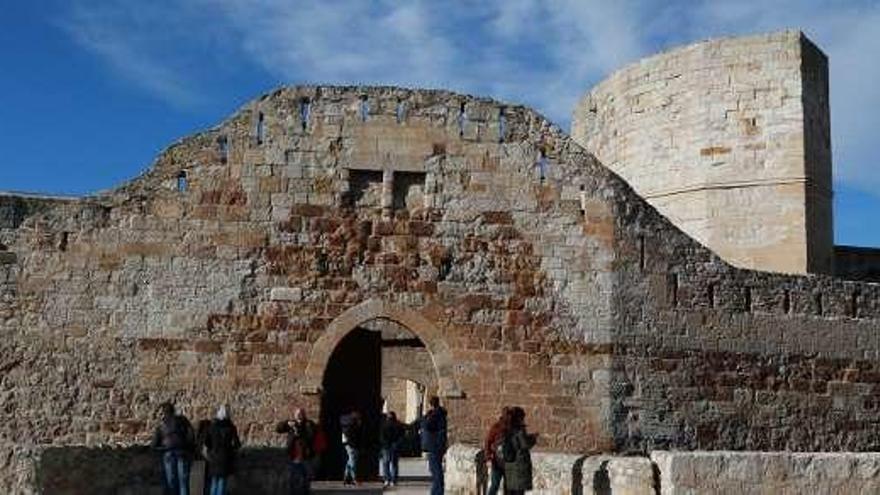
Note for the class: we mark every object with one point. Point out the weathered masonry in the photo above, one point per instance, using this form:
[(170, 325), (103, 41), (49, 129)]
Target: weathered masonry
[(319, 226), (729, 138)]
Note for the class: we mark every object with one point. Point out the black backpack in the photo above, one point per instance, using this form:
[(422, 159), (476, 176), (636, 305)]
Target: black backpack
[(175, 433), (504, 449)]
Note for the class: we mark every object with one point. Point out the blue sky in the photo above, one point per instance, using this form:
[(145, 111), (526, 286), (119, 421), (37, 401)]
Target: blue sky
[(93, 90)]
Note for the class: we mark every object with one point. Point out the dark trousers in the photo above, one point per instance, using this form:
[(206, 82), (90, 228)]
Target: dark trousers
[(435, 467), (496, 474), (175, 465)]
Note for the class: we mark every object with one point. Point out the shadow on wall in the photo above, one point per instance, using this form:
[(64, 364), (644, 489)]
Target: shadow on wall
[(136, 471)]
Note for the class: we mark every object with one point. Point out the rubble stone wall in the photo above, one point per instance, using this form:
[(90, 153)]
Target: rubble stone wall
[(229, 271), (213, 277), (708, 132)]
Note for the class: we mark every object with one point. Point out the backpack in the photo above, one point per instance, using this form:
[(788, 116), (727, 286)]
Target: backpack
[(175, 433), (504, 449)]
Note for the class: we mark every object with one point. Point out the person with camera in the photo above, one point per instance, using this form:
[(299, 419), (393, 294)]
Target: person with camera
[(301, 435)]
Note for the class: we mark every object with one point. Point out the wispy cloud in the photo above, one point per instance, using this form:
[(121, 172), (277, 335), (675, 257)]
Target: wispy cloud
[(545, 54), (137, 42)]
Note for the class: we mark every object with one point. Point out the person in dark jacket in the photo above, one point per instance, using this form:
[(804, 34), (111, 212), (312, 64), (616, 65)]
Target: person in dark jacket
[(174, 437), (351, 426), (496, 436), (432, 430), (518, 471), (221, 446), (390, 436), (301, 434)]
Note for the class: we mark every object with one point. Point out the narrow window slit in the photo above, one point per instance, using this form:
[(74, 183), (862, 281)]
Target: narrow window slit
[(223, 148), (542, 165), (582, 196), (445, 267), (786, 302), (672, 281), (305, 111), (642, 253), (820, 310), (462, 118), (62, 242), (747, 299), (261, 128), (364, 108), (502, 126), (710, 295), (182, 183), (854, 304), (400, 113)]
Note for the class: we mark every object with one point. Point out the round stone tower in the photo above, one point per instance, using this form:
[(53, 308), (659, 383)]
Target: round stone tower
[(730, 139)]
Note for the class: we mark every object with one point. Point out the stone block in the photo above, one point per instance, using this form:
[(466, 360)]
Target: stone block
[(288, 294)]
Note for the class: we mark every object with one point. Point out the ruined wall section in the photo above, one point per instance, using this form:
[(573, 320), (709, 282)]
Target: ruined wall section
[(711, 357), (709, 133), (210, 278)]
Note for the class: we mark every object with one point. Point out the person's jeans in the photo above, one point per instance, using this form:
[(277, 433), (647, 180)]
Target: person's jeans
[(496, 473), (390, 464), (299, 478), (218, 485), (176, 467), (435, 467), (351, 464)]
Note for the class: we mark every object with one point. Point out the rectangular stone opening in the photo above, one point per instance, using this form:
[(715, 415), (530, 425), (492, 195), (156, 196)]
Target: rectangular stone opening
[(364, 189), (409, 190)]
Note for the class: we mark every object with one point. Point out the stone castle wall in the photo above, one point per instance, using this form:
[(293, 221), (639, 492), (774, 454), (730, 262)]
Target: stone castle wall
[(730, 139), (233, 282), (230, 270)]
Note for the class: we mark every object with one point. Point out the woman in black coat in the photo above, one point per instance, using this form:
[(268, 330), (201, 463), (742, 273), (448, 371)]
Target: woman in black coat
[(221, 446)]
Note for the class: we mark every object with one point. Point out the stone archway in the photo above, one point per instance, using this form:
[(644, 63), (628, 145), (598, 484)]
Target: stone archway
[(427, 332)]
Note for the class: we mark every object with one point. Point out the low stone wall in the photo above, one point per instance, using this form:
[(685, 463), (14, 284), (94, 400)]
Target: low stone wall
[(555, 473), (137, 471), (674, 473), (767, 472)]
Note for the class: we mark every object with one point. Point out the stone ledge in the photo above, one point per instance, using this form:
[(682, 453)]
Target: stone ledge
[(555, 473), (767, 472)]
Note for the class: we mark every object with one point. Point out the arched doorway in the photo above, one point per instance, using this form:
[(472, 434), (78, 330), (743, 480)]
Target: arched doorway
[(370, 343), (363, 375)]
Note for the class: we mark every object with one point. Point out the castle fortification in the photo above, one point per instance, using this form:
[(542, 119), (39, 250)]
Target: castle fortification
[(729, 139), (324, 243)]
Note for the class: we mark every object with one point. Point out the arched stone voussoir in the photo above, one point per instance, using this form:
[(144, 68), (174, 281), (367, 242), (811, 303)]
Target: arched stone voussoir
[(421, 327)]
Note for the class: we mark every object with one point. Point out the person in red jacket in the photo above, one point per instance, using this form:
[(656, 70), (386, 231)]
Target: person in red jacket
[(301, 435), (496, 435)]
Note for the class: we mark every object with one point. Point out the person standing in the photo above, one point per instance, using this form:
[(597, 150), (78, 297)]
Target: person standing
[(351, 426), (221, 447), (300, 450), (390, 436), (518, 463), (494, 443), (174, 437), (433, 438)]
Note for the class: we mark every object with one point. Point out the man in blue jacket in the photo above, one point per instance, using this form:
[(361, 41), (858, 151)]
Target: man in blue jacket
[(432, 433)]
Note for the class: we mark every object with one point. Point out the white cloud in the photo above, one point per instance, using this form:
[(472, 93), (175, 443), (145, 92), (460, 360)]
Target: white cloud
[(545, 54), (126, 38)]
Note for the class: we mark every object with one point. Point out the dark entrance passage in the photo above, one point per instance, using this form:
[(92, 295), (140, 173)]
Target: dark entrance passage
[(353, 382)]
